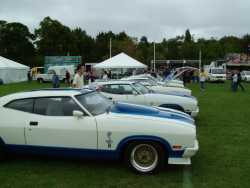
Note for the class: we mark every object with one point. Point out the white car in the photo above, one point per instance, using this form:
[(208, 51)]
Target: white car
[(160, 88), (169, 83), (83, 123), (245, 75), (136, 93)]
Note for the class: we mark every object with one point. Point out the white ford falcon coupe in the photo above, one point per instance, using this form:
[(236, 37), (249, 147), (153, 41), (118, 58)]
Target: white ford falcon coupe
[(83, 123), (160, 88), (136, 93)]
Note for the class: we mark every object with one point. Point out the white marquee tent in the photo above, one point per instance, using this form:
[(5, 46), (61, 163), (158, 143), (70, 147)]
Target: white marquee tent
[(120, 61), (11, 71)]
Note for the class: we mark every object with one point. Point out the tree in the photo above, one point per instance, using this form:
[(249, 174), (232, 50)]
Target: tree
[(16, 42), (53, 38), (188, 37), (83, 45)]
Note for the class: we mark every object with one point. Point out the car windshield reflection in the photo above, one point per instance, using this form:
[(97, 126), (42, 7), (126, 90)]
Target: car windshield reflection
[(95, 103), (141, 88)]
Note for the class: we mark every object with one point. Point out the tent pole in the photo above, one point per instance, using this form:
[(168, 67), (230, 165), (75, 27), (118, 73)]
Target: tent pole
[(154, 57), (200, 61)]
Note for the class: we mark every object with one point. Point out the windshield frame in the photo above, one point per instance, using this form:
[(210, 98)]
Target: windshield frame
[(86, 109), (247, 73), (141, 85), (215, 71)]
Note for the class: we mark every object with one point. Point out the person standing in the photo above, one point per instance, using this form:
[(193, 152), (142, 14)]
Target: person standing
[(202, 80), (239, 81), (185, 77), (55, 80), (67, 78), (78, 81), (105, 75), (109, 74), (235, 82), (29, 76)]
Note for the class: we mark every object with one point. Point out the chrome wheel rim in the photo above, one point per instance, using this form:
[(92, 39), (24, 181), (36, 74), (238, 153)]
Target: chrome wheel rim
[(144, 157)]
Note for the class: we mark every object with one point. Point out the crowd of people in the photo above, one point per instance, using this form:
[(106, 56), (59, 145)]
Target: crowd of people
[(80, 78)]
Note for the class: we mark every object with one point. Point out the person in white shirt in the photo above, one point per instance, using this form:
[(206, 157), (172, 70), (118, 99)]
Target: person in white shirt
[(78, 81), (105, 75), (235, 81), (202, 79)]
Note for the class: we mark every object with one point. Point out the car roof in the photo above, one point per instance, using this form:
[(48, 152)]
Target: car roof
[(44, 93), (135, 78), (115, 82)]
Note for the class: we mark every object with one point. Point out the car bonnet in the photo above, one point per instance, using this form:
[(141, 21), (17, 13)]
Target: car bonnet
[(131, 109)]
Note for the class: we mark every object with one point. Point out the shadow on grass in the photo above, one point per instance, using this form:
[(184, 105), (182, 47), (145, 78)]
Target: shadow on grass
[(68, 162)]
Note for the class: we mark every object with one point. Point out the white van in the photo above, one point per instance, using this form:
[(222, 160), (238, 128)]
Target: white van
[(216, 74), (59, 70)]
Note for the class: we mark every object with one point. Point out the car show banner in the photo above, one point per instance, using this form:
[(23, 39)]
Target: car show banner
[(61, 60)]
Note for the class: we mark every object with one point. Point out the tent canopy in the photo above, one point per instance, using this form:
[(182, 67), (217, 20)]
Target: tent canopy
[(7, 63), (120, 61), (11, 71)]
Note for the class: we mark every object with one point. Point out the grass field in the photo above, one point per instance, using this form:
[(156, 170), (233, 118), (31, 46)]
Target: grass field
[(223, 128)]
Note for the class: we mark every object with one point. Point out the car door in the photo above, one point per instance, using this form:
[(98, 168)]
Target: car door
[(53, 125), (14, 117)]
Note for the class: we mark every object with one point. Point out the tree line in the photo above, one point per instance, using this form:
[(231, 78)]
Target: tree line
[(52, 38)]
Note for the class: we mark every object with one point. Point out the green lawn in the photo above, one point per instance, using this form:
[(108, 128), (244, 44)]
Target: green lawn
[(223, 128)]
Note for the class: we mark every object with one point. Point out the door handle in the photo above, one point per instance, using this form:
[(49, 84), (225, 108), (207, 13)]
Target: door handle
[(33, 123), (110, 98)]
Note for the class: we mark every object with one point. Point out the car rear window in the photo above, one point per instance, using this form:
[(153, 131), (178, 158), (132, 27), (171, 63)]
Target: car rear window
[(25, 105)]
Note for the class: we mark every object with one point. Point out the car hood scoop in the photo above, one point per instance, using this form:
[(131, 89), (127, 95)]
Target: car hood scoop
[(124, 108)]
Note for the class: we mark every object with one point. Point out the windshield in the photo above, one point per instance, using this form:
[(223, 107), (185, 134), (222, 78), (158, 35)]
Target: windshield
[(246, 72), (142, 89), (218, 71), (95, 103)]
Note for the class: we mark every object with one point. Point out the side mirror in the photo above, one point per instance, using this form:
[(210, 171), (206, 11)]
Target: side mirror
[(77, 114)]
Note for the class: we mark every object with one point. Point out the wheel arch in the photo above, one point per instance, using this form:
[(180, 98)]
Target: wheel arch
[(143, 138)]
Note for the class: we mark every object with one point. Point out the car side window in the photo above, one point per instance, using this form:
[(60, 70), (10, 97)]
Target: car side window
[(123, 89), (25, 105), (126, 89), (55, 106)]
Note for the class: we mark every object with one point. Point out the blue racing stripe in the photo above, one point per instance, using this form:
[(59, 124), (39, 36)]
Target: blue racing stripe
[(124, 108)]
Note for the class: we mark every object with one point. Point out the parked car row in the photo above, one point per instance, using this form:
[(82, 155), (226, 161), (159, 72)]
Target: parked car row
[(119, 120)]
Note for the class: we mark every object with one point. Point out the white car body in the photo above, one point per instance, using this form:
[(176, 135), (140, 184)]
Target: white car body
[(187, 103), (160, 88), (245, 75), (94, 134)]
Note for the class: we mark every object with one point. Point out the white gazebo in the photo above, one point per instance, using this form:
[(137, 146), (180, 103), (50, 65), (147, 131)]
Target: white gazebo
[(120, 61), (11, 71)]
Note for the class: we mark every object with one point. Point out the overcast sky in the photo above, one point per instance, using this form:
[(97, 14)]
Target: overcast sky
[(156, 19)]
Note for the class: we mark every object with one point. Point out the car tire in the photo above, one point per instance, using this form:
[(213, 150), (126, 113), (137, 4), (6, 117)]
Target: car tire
[(173, 106), (145, 157)]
